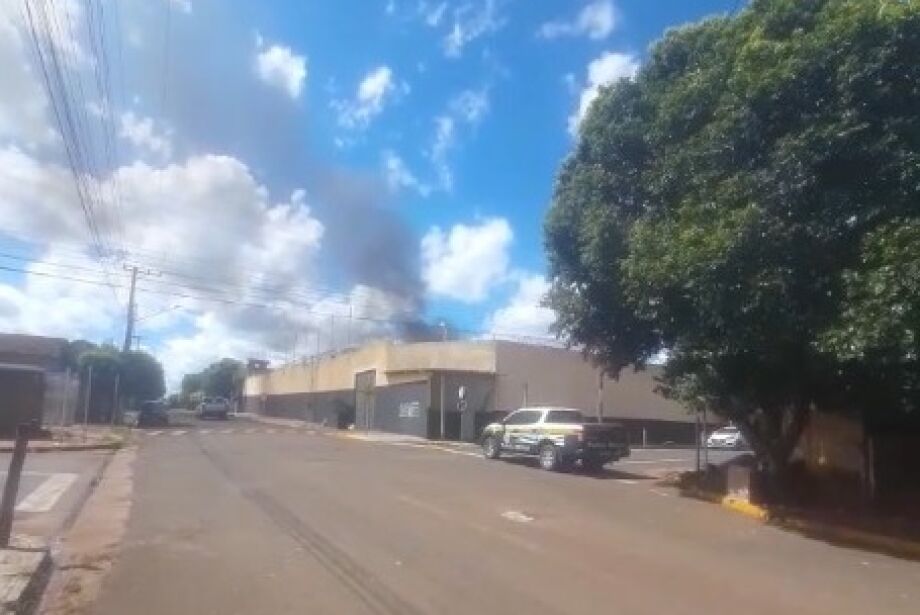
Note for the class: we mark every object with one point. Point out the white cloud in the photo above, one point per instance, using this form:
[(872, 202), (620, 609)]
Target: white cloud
[(523, 315), (183, 5), (376, 88), (23, 105), (467, 261), (469, 24), (440, 148), (432, 13), (608, 68), (398, 176), (207, 219), (280, 67), (596, 21), (468, 107), (141, 132), (471, 105)]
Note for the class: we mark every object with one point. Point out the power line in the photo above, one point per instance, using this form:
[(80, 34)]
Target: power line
[(59, 79), (277, 308)]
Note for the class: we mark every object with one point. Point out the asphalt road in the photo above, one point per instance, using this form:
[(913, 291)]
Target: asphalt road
[(228, 519)]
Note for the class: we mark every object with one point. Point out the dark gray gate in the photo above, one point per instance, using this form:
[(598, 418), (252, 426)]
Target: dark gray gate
[(365, 383)]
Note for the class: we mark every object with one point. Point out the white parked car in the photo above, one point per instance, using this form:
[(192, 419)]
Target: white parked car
[(726, 437)]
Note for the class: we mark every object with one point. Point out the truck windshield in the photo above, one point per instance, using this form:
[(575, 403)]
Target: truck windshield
[(564, 416)]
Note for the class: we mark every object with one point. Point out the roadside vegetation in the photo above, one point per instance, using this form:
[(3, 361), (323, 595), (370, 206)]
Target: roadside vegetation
[(746, 209), (222, 378)]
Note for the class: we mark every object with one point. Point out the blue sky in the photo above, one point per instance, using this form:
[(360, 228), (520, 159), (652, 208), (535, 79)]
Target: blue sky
[(387, 160)]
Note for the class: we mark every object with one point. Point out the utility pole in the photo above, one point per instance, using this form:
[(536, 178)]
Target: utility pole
[(129, 325), (132, 308)]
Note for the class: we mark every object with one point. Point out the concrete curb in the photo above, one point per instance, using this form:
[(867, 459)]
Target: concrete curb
[(899, 547), (21, 590), (52, 448)]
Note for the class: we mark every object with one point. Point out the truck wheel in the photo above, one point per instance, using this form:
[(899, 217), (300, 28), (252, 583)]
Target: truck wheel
[(549, 457), (491, 448)]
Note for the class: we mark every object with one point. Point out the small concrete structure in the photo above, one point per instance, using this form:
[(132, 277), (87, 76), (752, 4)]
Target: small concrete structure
[(402, 387), (35, 382)]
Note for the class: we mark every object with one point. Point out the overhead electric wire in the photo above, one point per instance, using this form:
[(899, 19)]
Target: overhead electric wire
[(279, 308), (58, 77)]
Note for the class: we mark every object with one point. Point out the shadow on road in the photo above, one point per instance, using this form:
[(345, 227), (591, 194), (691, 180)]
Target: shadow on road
[(602, 474)]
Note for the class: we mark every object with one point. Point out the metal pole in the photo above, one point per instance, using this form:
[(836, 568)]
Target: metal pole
[(705, 448), (11, 487), (89, 392), (64, 392), (698, 438), (644, 438), (115, 399), (524, 405), (600, 396), (441, 378)]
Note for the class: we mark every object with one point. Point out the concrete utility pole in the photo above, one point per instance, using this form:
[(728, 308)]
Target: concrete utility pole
[(129, 325), (132, 308)]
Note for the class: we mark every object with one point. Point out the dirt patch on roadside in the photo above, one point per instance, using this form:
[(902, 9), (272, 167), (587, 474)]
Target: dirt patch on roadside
[(85, 554)]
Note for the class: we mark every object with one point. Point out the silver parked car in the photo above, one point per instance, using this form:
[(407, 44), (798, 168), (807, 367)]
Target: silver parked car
[(214, 407), (726, 437)]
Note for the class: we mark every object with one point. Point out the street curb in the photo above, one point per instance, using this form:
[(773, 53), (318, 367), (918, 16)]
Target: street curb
[(28, 599), (52, 448), (899, 547), (745, 508)]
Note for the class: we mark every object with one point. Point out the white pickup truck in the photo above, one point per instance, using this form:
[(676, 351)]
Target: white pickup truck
[(558, 437)]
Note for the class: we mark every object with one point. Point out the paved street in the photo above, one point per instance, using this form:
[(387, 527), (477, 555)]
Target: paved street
[(285, 521)]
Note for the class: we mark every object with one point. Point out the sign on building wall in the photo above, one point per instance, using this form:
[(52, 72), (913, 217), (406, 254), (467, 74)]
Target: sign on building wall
[(409, 410)]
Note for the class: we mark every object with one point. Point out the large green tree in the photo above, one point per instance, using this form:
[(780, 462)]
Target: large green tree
[(223, 378), (141, 376), (748, 203)]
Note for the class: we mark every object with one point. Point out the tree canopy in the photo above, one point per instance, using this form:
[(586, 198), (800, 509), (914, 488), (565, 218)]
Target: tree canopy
[(141, 376), (222, 378), (748, 204)]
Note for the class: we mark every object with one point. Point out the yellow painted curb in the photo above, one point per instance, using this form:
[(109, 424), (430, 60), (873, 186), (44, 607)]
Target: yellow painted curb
[(745, 508)]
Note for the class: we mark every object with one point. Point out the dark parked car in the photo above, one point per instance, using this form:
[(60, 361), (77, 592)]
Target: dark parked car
[(153, 414)]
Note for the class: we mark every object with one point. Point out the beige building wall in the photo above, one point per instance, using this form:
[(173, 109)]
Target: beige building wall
[(551, 376), (557, 376), (394, 364)]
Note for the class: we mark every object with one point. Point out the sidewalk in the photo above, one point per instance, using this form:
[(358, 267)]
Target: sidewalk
[(23, 576), (74, 438), (383, 437)]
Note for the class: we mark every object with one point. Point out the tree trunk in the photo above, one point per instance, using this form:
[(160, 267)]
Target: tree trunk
[(773, 435)]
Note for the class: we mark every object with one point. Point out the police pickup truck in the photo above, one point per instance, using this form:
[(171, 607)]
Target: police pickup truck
[(558, 437)]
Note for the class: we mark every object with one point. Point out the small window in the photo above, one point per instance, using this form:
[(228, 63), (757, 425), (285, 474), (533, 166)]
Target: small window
[(523, 417), (564, 416)]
